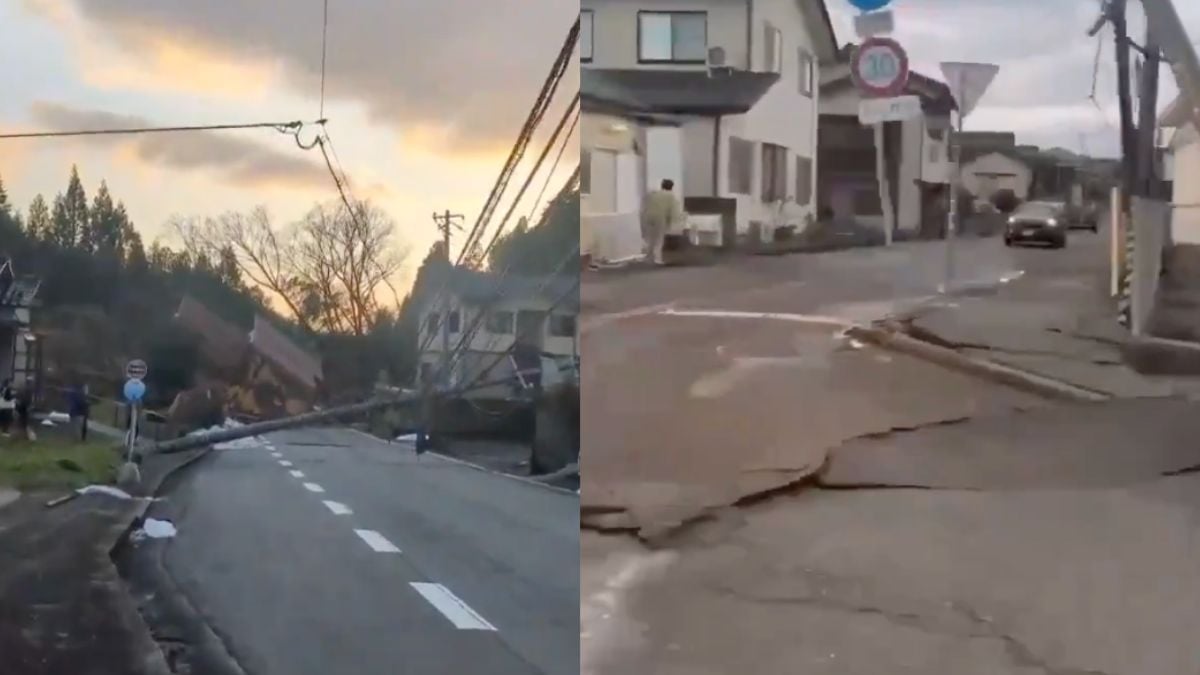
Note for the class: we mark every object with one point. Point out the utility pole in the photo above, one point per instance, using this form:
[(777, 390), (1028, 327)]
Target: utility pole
[(1117, 15), (1148, 118), (445, 222)]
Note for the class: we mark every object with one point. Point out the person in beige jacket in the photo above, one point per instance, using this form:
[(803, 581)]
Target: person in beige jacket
[(660, 212)]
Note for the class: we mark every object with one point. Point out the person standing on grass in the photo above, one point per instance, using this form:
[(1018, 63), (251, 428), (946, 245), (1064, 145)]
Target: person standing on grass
[(78, 408), (660, 213), (24, 410), (7, 406)]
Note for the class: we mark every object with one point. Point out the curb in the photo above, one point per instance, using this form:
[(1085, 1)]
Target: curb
[(131, 615), (892, 339), (477, 467)]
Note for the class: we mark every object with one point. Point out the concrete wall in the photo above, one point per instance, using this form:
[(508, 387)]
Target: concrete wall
[(988, 174), (935, 158), (698, 158)]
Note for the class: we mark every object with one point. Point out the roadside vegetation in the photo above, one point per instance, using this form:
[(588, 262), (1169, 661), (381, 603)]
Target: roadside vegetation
[(55, 461)]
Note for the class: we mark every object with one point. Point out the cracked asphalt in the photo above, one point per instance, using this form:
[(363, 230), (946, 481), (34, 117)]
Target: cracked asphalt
[(957, 527)]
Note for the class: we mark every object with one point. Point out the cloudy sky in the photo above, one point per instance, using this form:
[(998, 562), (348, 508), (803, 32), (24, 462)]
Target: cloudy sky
[(423, 100), (1044, 88)]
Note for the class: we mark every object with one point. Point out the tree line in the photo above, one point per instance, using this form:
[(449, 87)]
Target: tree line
[(326, 280)]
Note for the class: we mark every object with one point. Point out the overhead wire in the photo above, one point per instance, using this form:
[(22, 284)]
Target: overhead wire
[(536, 114), (553, 167), (293, 127), (324, 51)]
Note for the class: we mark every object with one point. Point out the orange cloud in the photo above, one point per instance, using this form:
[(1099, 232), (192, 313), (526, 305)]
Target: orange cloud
[(166, 65)]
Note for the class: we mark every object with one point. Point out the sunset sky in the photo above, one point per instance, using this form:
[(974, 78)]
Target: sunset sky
[(423, 99)]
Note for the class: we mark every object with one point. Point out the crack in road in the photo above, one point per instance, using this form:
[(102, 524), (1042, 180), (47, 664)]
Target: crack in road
[(979, 626)]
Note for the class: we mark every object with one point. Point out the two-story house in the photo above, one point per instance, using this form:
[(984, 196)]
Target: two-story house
[(720, 96), (20, 348), (542, 314)]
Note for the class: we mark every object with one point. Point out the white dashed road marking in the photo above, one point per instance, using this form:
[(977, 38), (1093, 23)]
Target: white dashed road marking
[(377, 541), (284, 462), (457, 611), (313, 487), (276, 455), (296, 473), (338, 508)]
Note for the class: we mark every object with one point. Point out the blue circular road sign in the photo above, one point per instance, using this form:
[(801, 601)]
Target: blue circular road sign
[(134, 390), (870, 5)]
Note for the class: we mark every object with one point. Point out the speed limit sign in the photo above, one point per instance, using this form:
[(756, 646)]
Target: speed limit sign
[(880, 67)]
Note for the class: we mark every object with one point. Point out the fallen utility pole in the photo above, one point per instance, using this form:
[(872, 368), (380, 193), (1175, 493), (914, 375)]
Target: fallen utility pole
[(315, 418)]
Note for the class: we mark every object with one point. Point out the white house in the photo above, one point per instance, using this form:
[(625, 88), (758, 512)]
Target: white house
[(542, 314), (1182, 169), (986, 174), (724, 95), (915, 156)]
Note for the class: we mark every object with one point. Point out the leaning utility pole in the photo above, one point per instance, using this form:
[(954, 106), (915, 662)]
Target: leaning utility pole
[(1117, 15), (1171, 36), (1148, 119)]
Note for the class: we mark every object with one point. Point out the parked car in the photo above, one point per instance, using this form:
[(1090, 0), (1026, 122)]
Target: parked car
[(1084, 217), (1044, 222)]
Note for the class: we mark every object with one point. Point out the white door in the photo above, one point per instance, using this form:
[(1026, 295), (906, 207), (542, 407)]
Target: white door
[(603, 197), (664, 157), (629, 196)]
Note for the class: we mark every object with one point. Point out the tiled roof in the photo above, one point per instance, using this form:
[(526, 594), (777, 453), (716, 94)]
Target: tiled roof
[(222, 343), (277, 348)]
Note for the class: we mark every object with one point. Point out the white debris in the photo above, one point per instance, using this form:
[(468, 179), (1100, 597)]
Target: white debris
[(856, 344), (47, 423), (104, 490), (411, 439), (154, 528), (58, 418)]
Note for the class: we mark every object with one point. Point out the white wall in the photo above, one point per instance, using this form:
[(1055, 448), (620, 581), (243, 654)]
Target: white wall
[(1185, 197), (908, 192), (990, 173), (783, 116), (615, 29), (489, 342), (935, 159), (698, 158)]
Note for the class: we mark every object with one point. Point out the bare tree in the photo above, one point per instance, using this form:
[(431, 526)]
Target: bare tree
[(328, 269)]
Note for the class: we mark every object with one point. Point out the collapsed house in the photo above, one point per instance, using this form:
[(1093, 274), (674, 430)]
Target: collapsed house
[(20, 348), (255, 375)]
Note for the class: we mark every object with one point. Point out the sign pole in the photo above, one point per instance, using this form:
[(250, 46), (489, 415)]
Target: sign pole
[(954, 143), (885, 196)]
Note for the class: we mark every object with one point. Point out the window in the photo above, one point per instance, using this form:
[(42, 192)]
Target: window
[(774, 172), (674, 37), (500, 323), (585, 35), (433, 322), (741, 159), (807, 70), (562, 325), (803, 180), (773, 50), (453, 322), (585, 172)]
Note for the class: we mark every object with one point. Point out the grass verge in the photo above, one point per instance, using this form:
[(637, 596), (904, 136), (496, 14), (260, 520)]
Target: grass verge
[(55, 462)]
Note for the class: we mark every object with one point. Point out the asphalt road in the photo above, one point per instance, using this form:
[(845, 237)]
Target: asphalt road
[(329, 552)]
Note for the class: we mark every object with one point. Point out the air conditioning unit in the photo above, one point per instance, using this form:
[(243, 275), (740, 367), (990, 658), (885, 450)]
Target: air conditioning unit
[(716, 62)]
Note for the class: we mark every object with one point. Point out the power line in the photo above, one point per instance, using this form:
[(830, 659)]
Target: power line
[(562, 122), (282, 127), (324, 50), (554, 166), (541, 104)]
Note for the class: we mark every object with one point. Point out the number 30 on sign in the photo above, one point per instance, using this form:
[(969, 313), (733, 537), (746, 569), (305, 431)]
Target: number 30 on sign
[(880, 67)]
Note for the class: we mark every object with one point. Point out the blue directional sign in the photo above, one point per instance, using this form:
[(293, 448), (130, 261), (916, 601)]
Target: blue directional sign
[(134, 390), (870, 5)]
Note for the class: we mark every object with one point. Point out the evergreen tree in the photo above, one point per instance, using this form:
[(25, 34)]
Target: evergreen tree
[(102, 235), (71, 214), (38, 225)]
